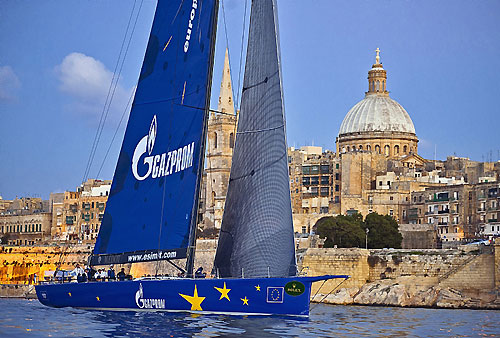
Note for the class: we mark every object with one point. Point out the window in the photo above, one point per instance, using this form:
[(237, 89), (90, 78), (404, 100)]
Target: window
[(387, 150), (391, 212), (377, 149), (396, 149), (336, 166), (369, 147), (304, 229), (337, 187), (306, 180), (324, 168), (325, 180), (215, 140), (231, 140), (337, 176), (391, 198), (324, 191)]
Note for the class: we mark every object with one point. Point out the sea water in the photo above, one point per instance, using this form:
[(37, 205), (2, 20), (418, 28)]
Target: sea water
[(29, 318)]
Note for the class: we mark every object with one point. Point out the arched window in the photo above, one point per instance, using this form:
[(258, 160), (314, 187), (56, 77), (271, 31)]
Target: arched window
[(396, 149), (348, 148), (360, 147), (213, 196), (215, 140), (411, 150), (387, 150), (231, 140), (377, 149), (405, 149), (369, 147)]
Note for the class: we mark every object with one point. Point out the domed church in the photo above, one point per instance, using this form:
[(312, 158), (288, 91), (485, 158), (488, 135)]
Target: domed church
[(377, 123)]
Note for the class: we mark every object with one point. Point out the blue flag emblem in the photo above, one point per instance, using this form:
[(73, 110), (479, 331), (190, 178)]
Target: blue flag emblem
[(275, 294)]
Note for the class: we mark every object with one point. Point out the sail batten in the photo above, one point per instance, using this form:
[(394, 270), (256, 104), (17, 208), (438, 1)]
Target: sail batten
[(256, 238), (151, 210)]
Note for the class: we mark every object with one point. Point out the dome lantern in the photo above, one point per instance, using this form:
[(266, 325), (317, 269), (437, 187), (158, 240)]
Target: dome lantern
[(377, 78)]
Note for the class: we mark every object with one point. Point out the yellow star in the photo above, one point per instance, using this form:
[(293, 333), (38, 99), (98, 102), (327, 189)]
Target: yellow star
[(194, 300), (98, 299), (69, 294), (245, 300), (257, 288), (223, 292)]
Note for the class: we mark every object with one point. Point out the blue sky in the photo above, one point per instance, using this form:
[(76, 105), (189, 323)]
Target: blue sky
[(57, 60)]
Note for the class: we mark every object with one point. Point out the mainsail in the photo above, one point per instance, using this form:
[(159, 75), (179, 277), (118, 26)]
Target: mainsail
[(256, 238), (152, 205)]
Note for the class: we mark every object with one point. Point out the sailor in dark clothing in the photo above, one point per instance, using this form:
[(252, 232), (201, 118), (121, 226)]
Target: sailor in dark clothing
[(199, 273), (90, 274), (121, 275), (111, 273)]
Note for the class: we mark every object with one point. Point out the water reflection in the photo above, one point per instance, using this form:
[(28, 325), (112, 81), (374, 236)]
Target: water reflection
[(31, 319)]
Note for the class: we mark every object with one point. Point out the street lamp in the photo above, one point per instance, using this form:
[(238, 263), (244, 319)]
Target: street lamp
[(366, 238)]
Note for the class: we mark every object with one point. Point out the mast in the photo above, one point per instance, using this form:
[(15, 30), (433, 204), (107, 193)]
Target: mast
[(194, 214)]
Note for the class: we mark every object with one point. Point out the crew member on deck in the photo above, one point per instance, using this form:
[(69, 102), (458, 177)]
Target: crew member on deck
[(121, 275)]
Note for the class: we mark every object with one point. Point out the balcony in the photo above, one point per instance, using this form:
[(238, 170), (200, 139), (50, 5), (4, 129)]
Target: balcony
[(442, 223), (445, 211), (491, 220), (481, 197)]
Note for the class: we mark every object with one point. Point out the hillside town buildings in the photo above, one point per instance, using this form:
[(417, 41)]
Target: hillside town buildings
[(376, 168)]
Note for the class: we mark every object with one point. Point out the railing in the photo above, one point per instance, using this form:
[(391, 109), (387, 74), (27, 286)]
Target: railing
[(446, 211), (442, 223)]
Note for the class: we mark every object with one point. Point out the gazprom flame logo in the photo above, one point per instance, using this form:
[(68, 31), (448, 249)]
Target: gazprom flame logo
[(162, 164), (148, 303), (152, 135)]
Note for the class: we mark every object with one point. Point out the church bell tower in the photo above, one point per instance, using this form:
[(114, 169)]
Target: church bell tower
[(220, 144)]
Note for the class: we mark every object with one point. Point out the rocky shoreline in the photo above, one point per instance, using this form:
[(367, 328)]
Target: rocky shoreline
[(410, 292)]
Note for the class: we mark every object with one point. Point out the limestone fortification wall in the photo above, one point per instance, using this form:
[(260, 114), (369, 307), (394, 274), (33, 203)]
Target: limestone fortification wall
[(466, 277), (18, 264)]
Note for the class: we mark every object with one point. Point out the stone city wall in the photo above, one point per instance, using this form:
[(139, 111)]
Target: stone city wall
[(465, 277), (19, 264)]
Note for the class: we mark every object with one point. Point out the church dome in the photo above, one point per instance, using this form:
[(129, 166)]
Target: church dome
[(377, 113), (377, 123)]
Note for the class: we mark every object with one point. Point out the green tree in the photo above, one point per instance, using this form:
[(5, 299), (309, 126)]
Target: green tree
[(343, 231), (384, 232)]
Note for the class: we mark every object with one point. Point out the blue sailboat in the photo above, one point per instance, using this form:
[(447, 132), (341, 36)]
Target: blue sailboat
[(151, 213)]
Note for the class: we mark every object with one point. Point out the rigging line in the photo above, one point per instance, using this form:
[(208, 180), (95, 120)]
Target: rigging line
[(259, 130), (329, 293), (238, 103), (116, 82), (89, 161), (266, 79), (116, 130), (227, 44), (199, 108)]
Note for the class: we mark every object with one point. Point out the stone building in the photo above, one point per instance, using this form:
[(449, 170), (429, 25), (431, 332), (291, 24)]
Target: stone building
[(314, 185), (92, 203), (487, 198), (221, 136), (79, 214), (377, 123), (26, 221)]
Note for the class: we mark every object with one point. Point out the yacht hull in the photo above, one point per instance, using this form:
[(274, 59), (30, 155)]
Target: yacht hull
[(235, 296)]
